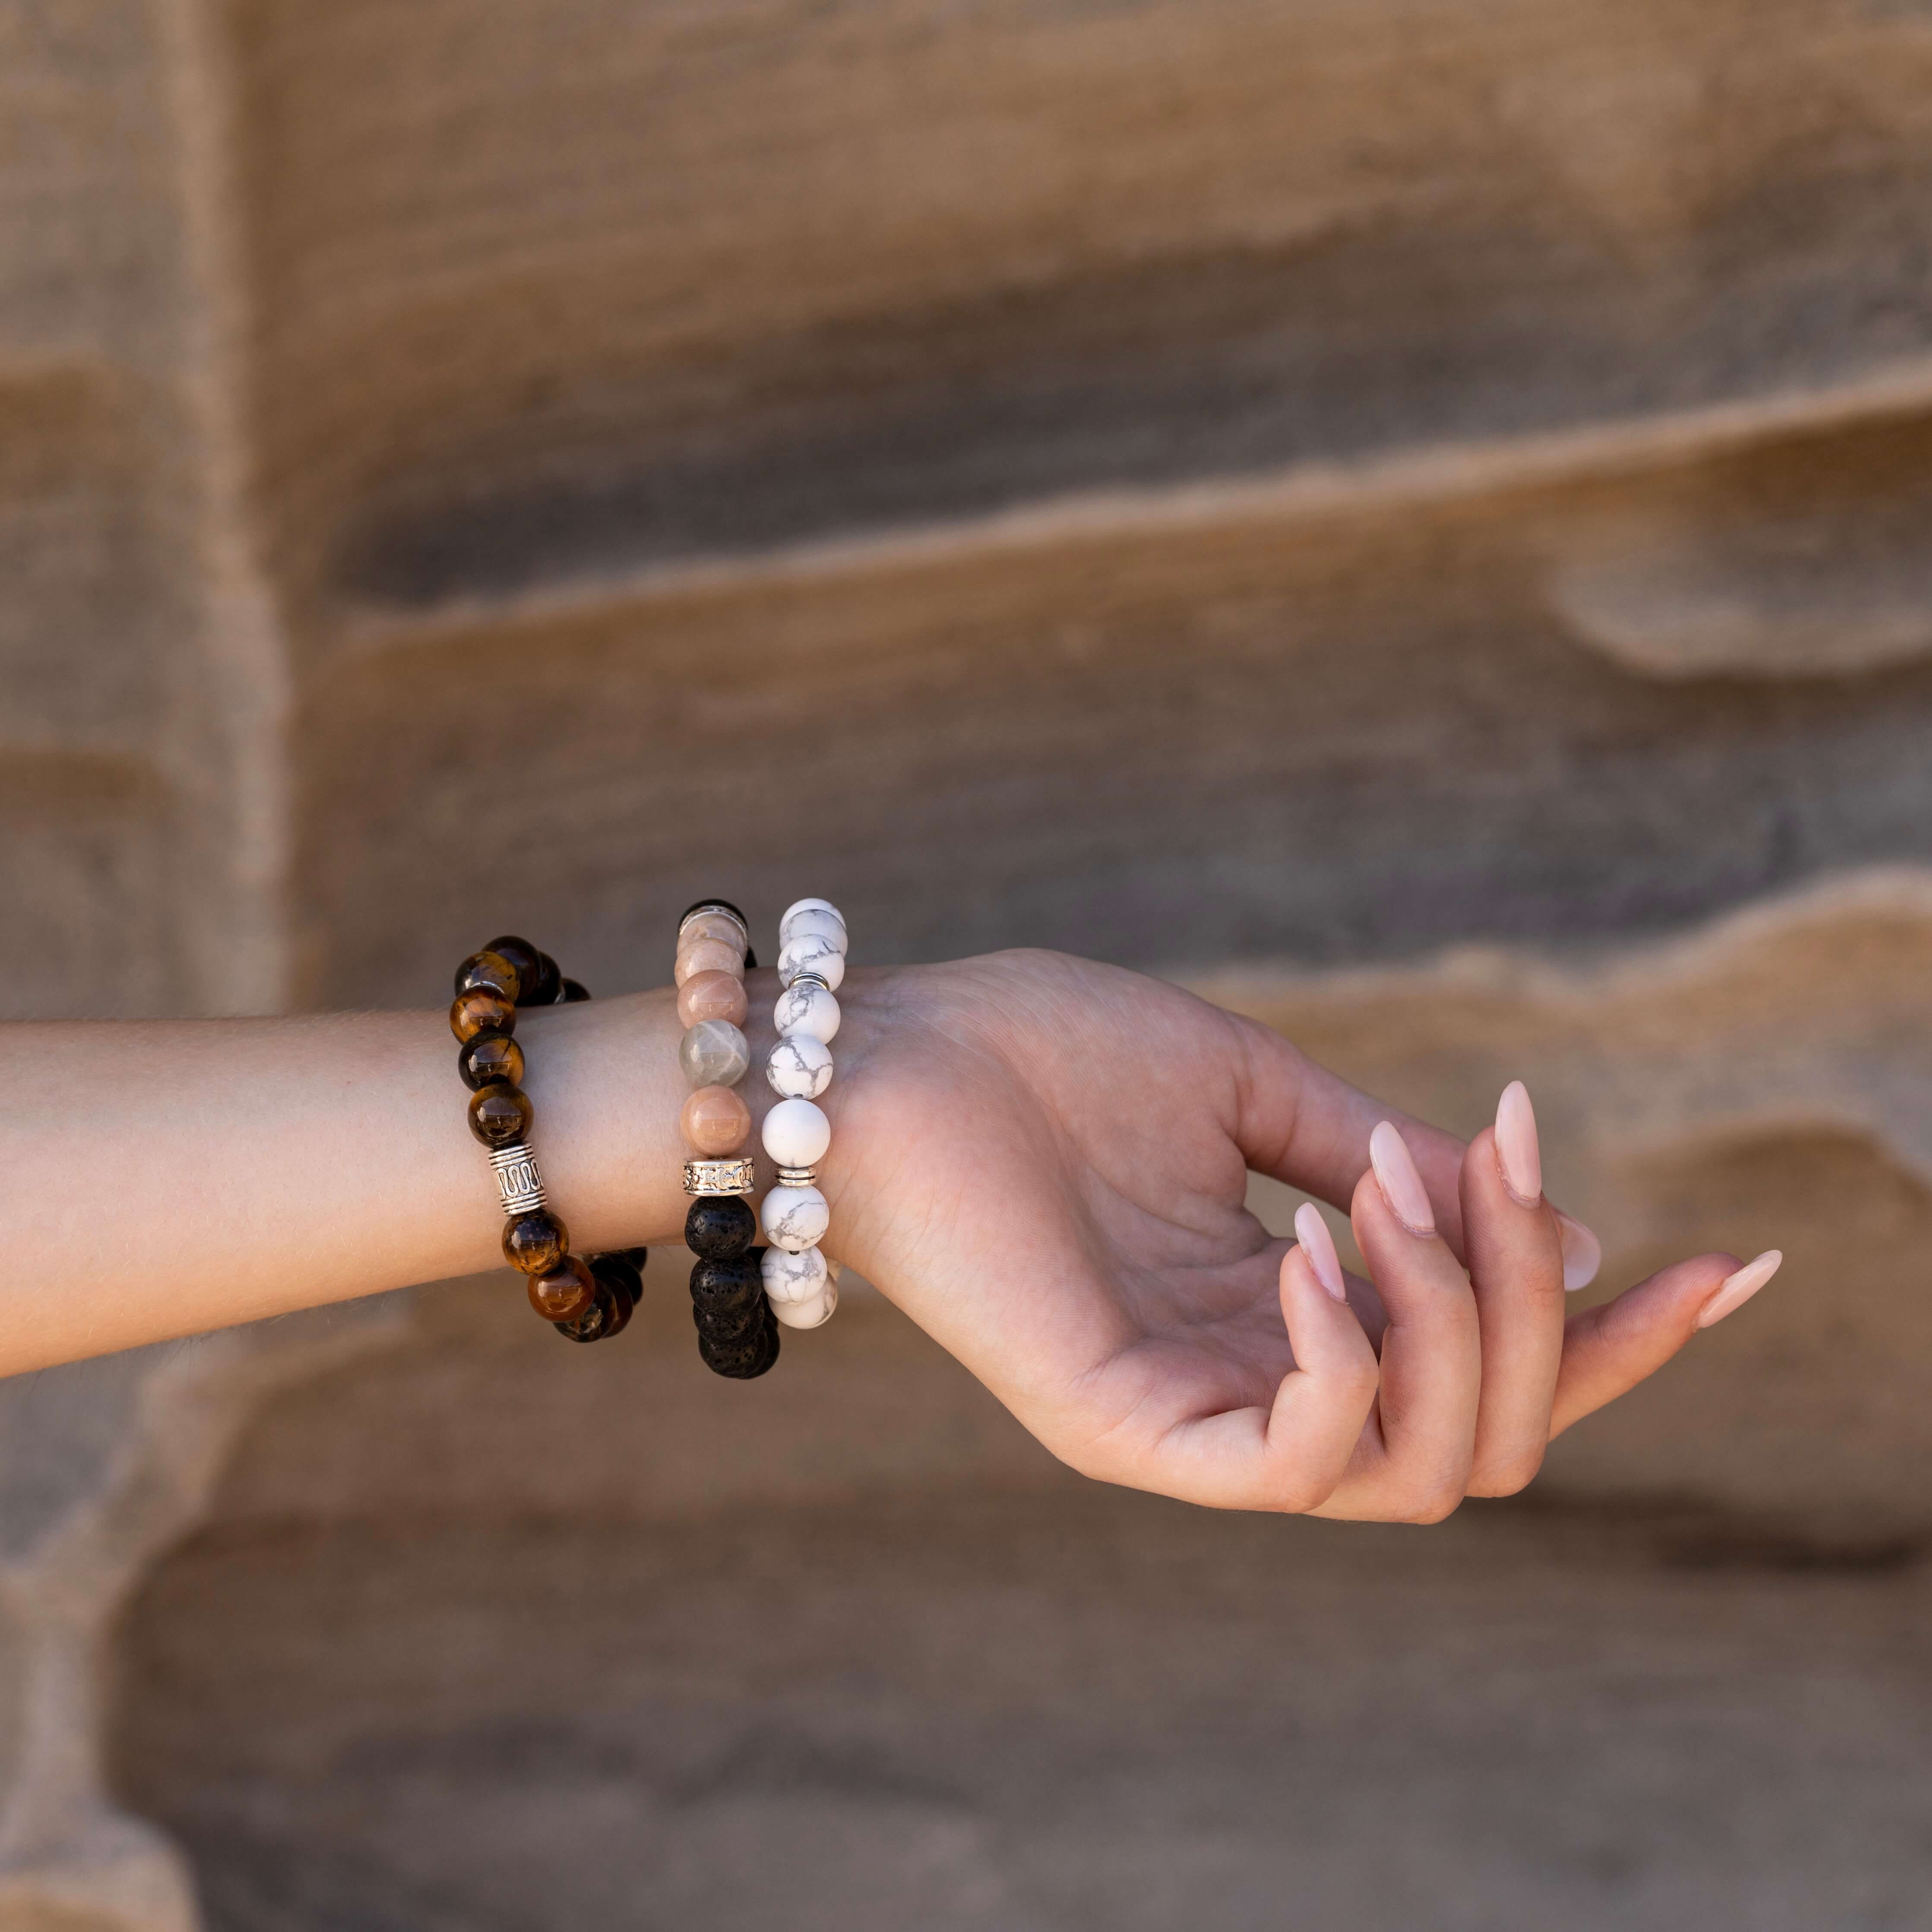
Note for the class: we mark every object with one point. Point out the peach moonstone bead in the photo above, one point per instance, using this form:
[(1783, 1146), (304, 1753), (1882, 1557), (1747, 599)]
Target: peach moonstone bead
[(711, 925), (712, 996), (715, 1121), (708, 955)]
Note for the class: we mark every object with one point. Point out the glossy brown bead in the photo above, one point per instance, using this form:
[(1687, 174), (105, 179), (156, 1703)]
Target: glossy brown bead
[(499, 1114), (488, 1058), (549, 984), (564, 1292), (536, 1242), (492, 970), (481, 1010), (622, 1304), (617, 1271), (608, 1313), (523, 955), (574, 992)]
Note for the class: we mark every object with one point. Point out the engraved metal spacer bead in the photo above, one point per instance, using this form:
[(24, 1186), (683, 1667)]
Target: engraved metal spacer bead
[(517, 1179), (718, 1177), (798, 1176)]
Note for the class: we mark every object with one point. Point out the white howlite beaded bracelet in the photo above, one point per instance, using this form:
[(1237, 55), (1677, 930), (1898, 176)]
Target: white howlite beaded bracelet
[(801, 1287)]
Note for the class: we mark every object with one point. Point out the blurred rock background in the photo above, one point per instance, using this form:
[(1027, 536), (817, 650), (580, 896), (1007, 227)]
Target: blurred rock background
[(1410, 516)]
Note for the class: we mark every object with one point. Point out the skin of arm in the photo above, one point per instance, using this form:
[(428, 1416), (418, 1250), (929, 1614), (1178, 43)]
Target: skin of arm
[(1041, 1160)]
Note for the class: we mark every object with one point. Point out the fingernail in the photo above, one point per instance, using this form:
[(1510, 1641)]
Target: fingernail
[(1402, 1186), (1737, 1289), (1517, 1153), (1582, 1253), (1319, 1245)]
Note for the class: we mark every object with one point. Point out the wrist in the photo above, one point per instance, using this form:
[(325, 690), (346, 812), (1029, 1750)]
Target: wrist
[(604, 1079)]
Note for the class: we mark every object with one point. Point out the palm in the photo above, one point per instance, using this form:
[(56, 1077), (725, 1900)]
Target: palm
[(1045, 1162)]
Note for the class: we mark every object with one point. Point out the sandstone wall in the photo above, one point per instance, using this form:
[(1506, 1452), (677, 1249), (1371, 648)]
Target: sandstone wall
[(1408, 515)]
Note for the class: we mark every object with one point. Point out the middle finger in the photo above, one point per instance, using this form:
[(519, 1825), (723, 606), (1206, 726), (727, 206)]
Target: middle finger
[(1415, 1463)]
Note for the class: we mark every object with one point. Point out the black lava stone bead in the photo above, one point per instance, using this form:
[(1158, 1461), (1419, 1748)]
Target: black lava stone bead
[(727, 1284), (720, 1226), (742, 1361), (727, 1324)]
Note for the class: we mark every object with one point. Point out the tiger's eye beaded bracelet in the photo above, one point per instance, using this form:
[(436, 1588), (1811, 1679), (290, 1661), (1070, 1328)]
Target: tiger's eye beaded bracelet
[(736, 1336), (799, 1281), (586, 1301)]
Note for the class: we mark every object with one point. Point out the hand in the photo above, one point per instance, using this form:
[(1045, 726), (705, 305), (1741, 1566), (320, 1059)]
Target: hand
[(1044, 1162)]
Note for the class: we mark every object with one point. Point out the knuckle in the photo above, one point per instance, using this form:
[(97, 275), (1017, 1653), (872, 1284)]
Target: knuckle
[(1298, 1498), (1508, 1478), (1436, 1504)]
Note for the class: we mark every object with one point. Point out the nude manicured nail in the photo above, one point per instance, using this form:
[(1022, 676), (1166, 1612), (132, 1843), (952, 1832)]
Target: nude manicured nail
[(1319, 1245), (1402, 1186), (1582, 1253), (1737, 1289), (1517, 1153)]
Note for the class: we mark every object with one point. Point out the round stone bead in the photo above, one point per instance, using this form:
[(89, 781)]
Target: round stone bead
[(798, 908), (522, 955), (481, 1010), (707, 955), (728, 1325), (797, 1133), (574, 992), (799, 1067), (535, 1242), (806, 1009), (813, 1312), (609, 1311), (789, 1277), (722, 1282), (486, 1057), (615, 1270), (720, 925), (712, 996), (794, 1217), (720, 1226), (814, 922), (563, 1293), (549, 985), (714, 1053), (741, 1361), (809, 953), (499, 1114), (491, 970), (715, 1122)]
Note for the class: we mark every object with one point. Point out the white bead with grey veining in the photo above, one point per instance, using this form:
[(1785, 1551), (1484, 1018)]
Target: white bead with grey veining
[(812, 1312), (714, 1053), (813, 921), (791, 921), (806, 1008), (799, 1067), (809, 953), (789, 1277), (796, 1134), (795, 1218)]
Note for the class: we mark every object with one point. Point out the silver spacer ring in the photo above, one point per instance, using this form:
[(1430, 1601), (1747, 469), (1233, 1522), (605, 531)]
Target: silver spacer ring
[(807, 979), (798, 1176), (518, 1179), (703, 1177)]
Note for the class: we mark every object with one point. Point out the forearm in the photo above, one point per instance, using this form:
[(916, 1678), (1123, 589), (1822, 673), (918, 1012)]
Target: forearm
[(158, 1179)]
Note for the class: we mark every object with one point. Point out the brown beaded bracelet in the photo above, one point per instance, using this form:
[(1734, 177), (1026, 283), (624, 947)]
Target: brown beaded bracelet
[(587, 1301)]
